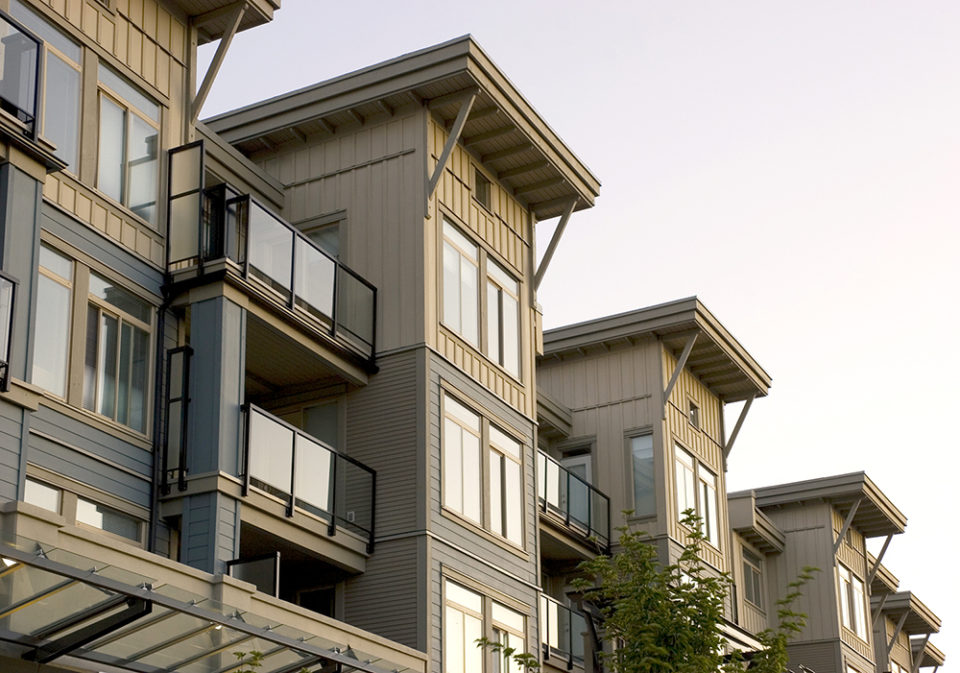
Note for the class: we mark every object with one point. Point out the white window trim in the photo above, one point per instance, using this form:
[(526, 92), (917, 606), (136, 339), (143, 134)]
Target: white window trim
[(699, 484)]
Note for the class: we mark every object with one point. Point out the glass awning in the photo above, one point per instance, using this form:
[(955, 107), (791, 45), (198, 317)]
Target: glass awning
[(54, 603)]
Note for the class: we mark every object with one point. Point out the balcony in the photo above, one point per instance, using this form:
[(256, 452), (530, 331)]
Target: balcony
[(19, 75), (308, 475), (561, 633), (217, 231), (568, 501)]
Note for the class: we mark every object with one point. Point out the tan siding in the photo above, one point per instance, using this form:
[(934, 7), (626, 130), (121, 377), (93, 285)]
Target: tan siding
[(375, 174)]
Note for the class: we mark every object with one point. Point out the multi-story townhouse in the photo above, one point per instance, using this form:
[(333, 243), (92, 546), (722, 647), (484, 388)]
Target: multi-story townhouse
[(857, 622), (632, 433), (145, 331), (427, 175)]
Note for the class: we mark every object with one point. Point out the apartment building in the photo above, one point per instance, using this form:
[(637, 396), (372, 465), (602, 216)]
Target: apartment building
[(858, 621)]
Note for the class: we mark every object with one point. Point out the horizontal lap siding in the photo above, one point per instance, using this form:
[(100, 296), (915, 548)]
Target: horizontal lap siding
[(11, 425), (388, 598), (820, 657)]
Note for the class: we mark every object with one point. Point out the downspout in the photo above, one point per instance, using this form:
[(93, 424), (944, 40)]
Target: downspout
[(158, 424)]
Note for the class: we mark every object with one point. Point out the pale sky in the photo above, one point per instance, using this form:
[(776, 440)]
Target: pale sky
[(795, 165)]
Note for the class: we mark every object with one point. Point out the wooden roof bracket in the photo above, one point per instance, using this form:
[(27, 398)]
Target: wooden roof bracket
[(846, 525), (554, 242), (876, 613), (876, 565), (915, 661), (896, 632), (681, 363), (728, 445), (233, 24), (468, 98)]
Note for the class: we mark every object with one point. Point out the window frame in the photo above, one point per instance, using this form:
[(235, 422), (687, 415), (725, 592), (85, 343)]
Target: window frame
[(486, 282), (752, 580), (482, 189), (853, 611), (129, 109), (490, 603), (488, 450), (632, 458), (703, 505)]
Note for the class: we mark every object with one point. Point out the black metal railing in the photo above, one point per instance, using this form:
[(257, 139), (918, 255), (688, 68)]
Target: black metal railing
[(175, 429), (561, 632), (19, 74), (286, 462), (208, 225), (8, 300), (582, 507)]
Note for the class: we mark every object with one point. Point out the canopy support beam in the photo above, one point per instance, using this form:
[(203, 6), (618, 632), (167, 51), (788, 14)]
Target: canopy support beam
[(233, 24), (681, 363), (846, 525), (554, 242), (467, 99), (736, 428)]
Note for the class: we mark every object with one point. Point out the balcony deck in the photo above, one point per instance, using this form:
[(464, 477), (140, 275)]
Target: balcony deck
[(574, 516)]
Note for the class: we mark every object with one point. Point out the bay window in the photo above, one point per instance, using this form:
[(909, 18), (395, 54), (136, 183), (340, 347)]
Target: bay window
[(129, 142), (463, 462), (463, 309)]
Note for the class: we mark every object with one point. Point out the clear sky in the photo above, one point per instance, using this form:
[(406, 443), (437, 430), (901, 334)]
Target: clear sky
[(795, 165)]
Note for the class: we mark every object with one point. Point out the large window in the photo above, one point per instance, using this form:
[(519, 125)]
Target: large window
[(644, 481), (61, 85), (463, 625), (129, 143), (463, 261), (464, 433), (853, 599), (112, 378), (752, 578), (697, 490)]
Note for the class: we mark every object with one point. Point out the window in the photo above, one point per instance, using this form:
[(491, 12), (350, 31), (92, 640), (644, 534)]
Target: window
[(463, 625), (693, 414), (129, 142), (52, 336), (503, 318), (697, 490), (325, 231), (852, 602), (61, 85), (461, 311), (110, 520), (481, 188), (752, 578), (41, 495), (506, 487), (644, 481), (115, 326), (464, 433), (116, 354)]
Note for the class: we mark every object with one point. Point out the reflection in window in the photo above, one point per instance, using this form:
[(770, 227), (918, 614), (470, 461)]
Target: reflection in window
[(752, 579), (108, 519), (506, 490), (461, 460), (644, 482), (41, 495), (462, 627), (52, 334), (461, 308), (503, 318)]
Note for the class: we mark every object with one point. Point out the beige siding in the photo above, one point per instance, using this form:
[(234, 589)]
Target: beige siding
[(504, 232), (751, 618), (375, 174), (148, 44)]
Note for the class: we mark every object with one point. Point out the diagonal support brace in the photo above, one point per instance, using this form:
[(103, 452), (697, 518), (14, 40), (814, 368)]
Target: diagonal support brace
[(896, 632), (233, 24), (876, 613), (876, 565), (846, 525), (468, 98), (681, 363), (552, 246), (915, 661), (736, 428)]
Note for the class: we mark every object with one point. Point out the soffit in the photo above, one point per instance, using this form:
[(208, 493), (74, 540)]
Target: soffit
[(919, 620), (212, 17), (932, 656), (503, 131)]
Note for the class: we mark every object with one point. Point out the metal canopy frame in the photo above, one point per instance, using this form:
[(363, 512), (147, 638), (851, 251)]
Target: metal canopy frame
[(125, 611)]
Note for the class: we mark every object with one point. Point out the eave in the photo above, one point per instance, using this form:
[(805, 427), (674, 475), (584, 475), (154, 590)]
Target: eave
[(212, 17), (555, 419), (876, 515), (717, 358), (931, 655), (753, 525), (920, 619), (503, 130)]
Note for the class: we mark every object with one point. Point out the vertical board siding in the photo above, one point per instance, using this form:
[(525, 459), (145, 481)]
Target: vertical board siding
[(381, 432), (464, 535), (151, 45), (505, 232), (11, 427), (384, 599), (375, 175)]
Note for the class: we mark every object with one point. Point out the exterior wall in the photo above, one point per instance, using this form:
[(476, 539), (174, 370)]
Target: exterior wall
[(854, 557), (505, 232), (374, 173), (750, 617), (822, 657)]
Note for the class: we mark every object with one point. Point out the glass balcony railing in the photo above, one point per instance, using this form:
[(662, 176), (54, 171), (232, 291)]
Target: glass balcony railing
[(286, 462), (208, 225), (19, 74), (561, 632), (582, 508)]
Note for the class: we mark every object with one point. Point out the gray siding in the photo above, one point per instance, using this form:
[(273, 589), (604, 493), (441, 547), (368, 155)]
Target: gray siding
[(11, 425), (823, 657), (387, 598), (209, 534)]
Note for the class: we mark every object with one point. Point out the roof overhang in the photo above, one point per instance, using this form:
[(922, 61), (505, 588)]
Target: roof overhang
[(555, 419), (919, 620), (875, 516), (503, 130), (931, 655), (212, 17), (753, 525), (717, 358)]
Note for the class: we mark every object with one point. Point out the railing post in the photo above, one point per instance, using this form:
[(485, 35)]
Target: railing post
[(373, 510), (293, 270), (590, 510), (332, 527), (566, 507), (248, 412), (334, 319), (293, 474)]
